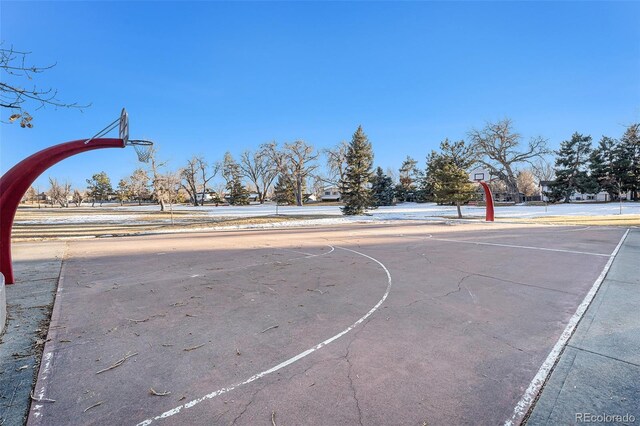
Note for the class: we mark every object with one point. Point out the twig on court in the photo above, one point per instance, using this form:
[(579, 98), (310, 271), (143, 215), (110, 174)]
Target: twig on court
[(14, 393), (153, 392), (273, 418), (178, 304), (190, 315), (93, 406), (237, 351), (315, 289), (270, 328), (119, 362), (193, 348), (135, 320), (41, 399), (166, 345)]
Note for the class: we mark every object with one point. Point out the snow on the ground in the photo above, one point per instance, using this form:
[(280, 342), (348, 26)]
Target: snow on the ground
[(414, 210), (77, 219), (404, 211)]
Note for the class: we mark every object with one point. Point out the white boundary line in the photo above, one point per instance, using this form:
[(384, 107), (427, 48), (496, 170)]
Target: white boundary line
[(522, 247), (522, 407), (283, 364)]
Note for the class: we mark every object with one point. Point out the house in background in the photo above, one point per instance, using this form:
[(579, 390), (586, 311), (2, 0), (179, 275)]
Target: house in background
[(331, 193), (602, 196)]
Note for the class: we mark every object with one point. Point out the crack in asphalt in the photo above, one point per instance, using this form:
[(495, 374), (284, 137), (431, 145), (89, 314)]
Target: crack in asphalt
[(459, 286), (351, 384), (246, 407)]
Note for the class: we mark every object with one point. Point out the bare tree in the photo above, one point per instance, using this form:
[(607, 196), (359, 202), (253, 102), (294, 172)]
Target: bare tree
[(78, 197), (169, 185), (158, 182), (59, 193), (123, 191), (139, 181), (497, 148), (527, 183), (195, 176), (206, 176), (295, 162), (16, 97), (259, 170), (336, 163), (543, 170), (189, 179), (31, 195)]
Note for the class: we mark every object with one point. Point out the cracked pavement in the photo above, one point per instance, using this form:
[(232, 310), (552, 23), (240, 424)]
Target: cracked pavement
[(430, 353)]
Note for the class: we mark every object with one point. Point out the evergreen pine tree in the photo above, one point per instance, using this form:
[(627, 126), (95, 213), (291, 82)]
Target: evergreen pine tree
[(284, 192), (629, 170), (382, 189), (99, 187), (604, 166), (447, 174), (236, 192), (450, 182), (354, 187), (409, 175), (571, 167)]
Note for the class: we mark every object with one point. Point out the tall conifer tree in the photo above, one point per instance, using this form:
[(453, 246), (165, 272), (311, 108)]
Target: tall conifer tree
[(354, 187), (572, 160), (382, 188)]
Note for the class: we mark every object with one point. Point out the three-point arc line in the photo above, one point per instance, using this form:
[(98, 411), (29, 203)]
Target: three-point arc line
[(289, 361)]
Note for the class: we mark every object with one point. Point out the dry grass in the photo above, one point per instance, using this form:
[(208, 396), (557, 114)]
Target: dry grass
[(148, 221)]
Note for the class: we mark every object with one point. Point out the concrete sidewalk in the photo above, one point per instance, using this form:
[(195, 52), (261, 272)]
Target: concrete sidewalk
[(597, 379), (29, 302)]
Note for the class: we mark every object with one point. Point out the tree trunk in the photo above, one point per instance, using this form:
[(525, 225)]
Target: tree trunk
[(161, 201), (459, 211), (299, 191)]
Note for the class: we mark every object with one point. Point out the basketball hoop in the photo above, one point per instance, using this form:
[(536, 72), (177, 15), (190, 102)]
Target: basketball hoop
[(143, 149)]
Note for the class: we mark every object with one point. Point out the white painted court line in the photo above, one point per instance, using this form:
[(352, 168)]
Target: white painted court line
[(522, 407), (521, 247), (283, 364)]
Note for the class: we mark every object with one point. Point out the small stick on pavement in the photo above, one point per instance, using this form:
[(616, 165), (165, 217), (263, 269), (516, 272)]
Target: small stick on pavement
[(93, 406), (40, 399), (14, 393), (153, 392), (193, 347), (119, 362), (273, 418), (135, 320), (270, 328)]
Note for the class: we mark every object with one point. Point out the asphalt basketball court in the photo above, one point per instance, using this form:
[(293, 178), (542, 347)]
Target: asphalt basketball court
[(360, 324)]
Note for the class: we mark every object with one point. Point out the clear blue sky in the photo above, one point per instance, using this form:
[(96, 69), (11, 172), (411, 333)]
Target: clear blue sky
[(207, 77)]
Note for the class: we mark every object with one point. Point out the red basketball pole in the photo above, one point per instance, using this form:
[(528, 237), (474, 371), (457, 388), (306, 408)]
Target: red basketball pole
[(489, 198), (16, 181)]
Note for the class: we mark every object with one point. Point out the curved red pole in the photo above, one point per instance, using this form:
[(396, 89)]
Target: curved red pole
[(489, 197), (16, 181)]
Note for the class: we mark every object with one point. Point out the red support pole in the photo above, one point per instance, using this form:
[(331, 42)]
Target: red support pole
[(489, 198), (16, 181)]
